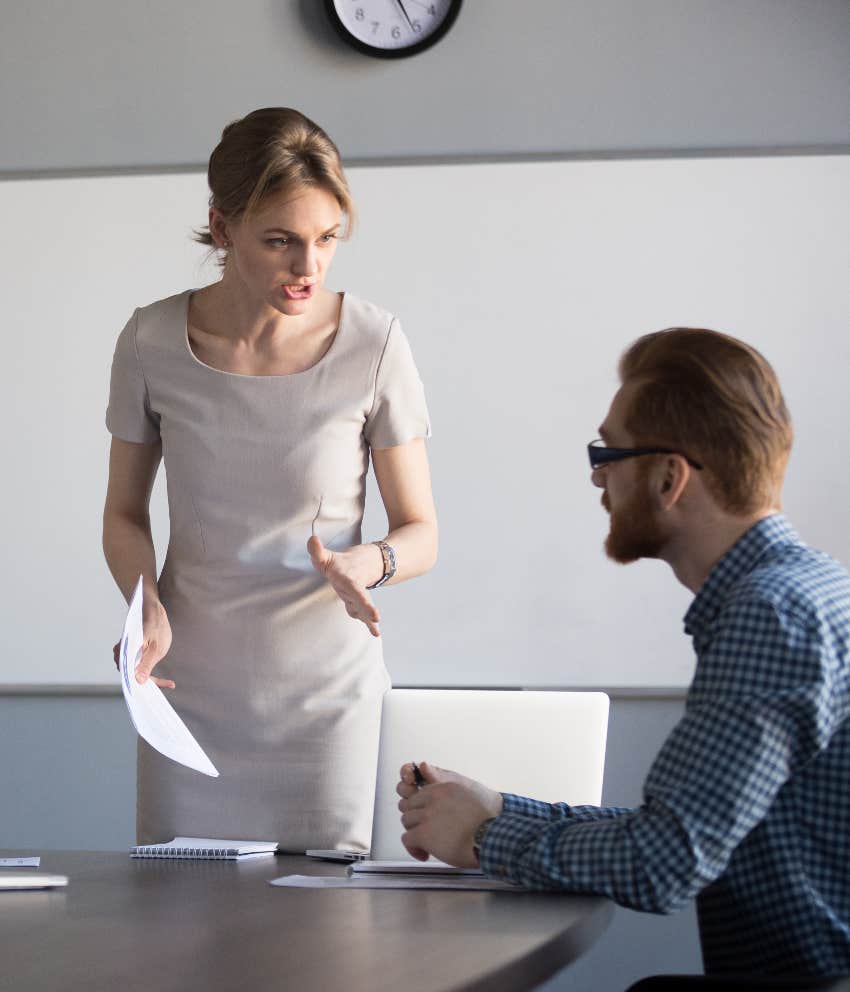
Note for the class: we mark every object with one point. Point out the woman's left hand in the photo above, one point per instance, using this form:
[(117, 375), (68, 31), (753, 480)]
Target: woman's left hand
[(349, 572)]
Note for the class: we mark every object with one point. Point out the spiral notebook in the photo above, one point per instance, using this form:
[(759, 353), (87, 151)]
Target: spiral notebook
[(206, 848)]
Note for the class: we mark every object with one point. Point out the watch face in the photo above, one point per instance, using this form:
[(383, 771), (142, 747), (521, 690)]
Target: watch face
[(392, 28)]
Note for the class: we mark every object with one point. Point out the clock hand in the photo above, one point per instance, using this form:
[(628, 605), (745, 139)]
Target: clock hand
[(406, 16)]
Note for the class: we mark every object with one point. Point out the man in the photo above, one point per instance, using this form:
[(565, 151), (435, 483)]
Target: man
[(745, 806)]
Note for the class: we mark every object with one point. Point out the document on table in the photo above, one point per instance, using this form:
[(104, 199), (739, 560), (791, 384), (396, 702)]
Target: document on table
[(151, 713), (32, 880), (474, 883), (20, 862), (410, 867)]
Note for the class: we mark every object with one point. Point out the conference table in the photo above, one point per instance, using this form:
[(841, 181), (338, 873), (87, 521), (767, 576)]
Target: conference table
[(180, 925)]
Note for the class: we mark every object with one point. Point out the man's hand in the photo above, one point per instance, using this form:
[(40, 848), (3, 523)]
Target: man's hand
[(349, 572), (440, 817)]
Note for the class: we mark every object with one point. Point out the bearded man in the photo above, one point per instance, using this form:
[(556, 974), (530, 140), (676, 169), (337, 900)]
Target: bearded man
[(746, 806)]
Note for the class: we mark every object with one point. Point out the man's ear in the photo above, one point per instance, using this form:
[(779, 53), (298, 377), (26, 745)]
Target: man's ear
[(669, 478)]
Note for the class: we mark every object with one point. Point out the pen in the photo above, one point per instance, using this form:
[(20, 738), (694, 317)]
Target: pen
[(418, 777)]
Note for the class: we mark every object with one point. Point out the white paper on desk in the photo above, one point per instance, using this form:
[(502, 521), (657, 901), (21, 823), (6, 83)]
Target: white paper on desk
[(151, 713), (410, 867), (20, 862), (468, 882)]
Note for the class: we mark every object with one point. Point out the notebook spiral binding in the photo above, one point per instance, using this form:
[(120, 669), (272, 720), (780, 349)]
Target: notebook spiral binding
[(207, 853)]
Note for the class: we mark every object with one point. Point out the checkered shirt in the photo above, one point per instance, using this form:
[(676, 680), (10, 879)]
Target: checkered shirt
[(747, 805)]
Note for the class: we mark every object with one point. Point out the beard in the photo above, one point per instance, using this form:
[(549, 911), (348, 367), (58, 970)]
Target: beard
[(634, 531)]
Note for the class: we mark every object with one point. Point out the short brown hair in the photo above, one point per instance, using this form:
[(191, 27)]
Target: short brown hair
[(717, 400), (273, 150)]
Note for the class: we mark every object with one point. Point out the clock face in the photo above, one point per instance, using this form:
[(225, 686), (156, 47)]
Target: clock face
[(392, 28)]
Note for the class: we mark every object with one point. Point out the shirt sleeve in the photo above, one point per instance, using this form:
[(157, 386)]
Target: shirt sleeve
[(556, 811), (399, 412), (713, 781), (129, 416)]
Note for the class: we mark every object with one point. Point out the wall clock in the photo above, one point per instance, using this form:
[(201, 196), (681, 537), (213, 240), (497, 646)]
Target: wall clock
[(391, 29)]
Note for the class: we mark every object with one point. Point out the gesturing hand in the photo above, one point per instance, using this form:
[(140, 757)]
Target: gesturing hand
[(441, 816), (157, 640), (349, 572)]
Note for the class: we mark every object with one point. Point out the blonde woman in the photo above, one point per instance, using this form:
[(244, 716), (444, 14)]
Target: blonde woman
[(265, 394)]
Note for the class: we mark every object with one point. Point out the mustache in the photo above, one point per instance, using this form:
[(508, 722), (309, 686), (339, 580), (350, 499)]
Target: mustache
[(605, 502)]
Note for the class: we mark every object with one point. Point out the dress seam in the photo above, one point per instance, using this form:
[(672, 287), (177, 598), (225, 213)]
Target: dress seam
[(139, 357), (198, 521), (393, 320)]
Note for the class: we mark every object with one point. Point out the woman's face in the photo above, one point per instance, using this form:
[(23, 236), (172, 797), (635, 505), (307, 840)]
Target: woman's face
[(281, 253)]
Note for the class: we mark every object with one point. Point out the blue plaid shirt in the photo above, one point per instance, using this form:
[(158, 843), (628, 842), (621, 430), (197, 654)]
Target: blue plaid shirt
[(747, 805)]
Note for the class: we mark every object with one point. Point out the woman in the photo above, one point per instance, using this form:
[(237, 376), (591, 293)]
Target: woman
[(265, 394)]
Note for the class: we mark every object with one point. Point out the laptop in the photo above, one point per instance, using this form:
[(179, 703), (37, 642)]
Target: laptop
[(549, 745)]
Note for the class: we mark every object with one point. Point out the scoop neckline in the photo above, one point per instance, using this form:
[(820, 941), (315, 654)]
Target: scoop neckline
[(247, 375)]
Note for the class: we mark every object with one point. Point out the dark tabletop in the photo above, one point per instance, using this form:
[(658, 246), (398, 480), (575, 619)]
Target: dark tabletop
[(176, 926)]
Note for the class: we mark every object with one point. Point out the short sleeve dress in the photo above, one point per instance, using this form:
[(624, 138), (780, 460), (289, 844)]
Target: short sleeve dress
[(278, 684)]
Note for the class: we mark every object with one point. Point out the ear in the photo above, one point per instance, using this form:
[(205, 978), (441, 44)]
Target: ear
[(218, 228), (669, 479)]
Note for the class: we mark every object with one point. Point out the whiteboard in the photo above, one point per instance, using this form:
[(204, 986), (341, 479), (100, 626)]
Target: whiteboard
[(518, 284)]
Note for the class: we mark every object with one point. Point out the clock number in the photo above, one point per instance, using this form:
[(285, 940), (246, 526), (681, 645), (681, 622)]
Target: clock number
[(391, 29)]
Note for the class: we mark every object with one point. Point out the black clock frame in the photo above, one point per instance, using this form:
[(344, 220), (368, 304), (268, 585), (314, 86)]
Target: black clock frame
[(391, 53)]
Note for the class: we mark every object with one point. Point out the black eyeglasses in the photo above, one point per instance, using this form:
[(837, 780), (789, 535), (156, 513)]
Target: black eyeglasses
[(599, 454)]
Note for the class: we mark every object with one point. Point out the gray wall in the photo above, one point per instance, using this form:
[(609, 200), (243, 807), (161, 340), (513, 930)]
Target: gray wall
[(100, 84), (104, 83)]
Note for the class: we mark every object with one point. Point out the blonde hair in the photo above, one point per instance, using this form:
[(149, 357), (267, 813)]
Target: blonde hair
[(271, 151), (717, 400)]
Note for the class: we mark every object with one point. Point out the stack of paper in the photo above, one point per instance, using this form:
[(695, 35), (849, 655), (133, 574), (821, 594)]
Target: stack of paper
[(151, 713)]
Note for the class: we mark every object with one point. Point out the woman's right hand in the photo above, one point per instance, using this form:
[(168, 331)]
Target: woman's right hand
[(157, 640)]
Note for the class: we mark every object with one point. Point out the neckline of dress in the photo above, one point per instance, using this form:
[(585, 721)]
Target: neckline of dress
[(247, 375)]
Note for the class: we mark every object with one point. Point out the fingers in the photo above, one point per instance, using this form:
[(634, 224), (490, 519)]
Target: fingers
[(416, 852), (150, 656), (319, 554), (412, 819), (144, 673), (405, 790), (359, 607), (406, 785), (416, 801), (358, 603), (431, 773), (365, 611)]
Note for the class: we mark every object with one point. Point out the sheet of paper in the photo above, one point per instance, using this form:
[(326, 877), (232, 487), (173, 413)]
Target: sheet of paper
[(32, 880), (410, 867), (151, 713), (467, 882), (20, 862)]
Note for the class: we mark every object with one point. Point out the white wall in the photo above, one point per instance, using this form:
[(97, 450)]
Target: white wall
[(518, 285)]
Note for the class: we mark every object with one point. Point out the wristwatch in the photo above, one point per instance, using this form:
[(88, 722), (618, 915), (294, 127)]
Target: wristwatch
[(388, 555), (478, 836)]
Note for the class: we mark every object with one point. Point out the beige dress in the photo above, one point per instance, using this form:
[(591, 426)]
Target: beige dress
[(279, 685)]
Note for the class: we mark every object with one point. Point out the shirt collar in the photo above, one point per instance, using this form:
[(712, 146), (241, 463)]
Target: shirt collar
[(738, 561)]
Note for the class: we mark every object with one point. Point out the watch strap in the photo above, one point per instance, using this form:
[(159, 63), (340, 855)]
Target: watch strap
[(388, 555), (478, 836)]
